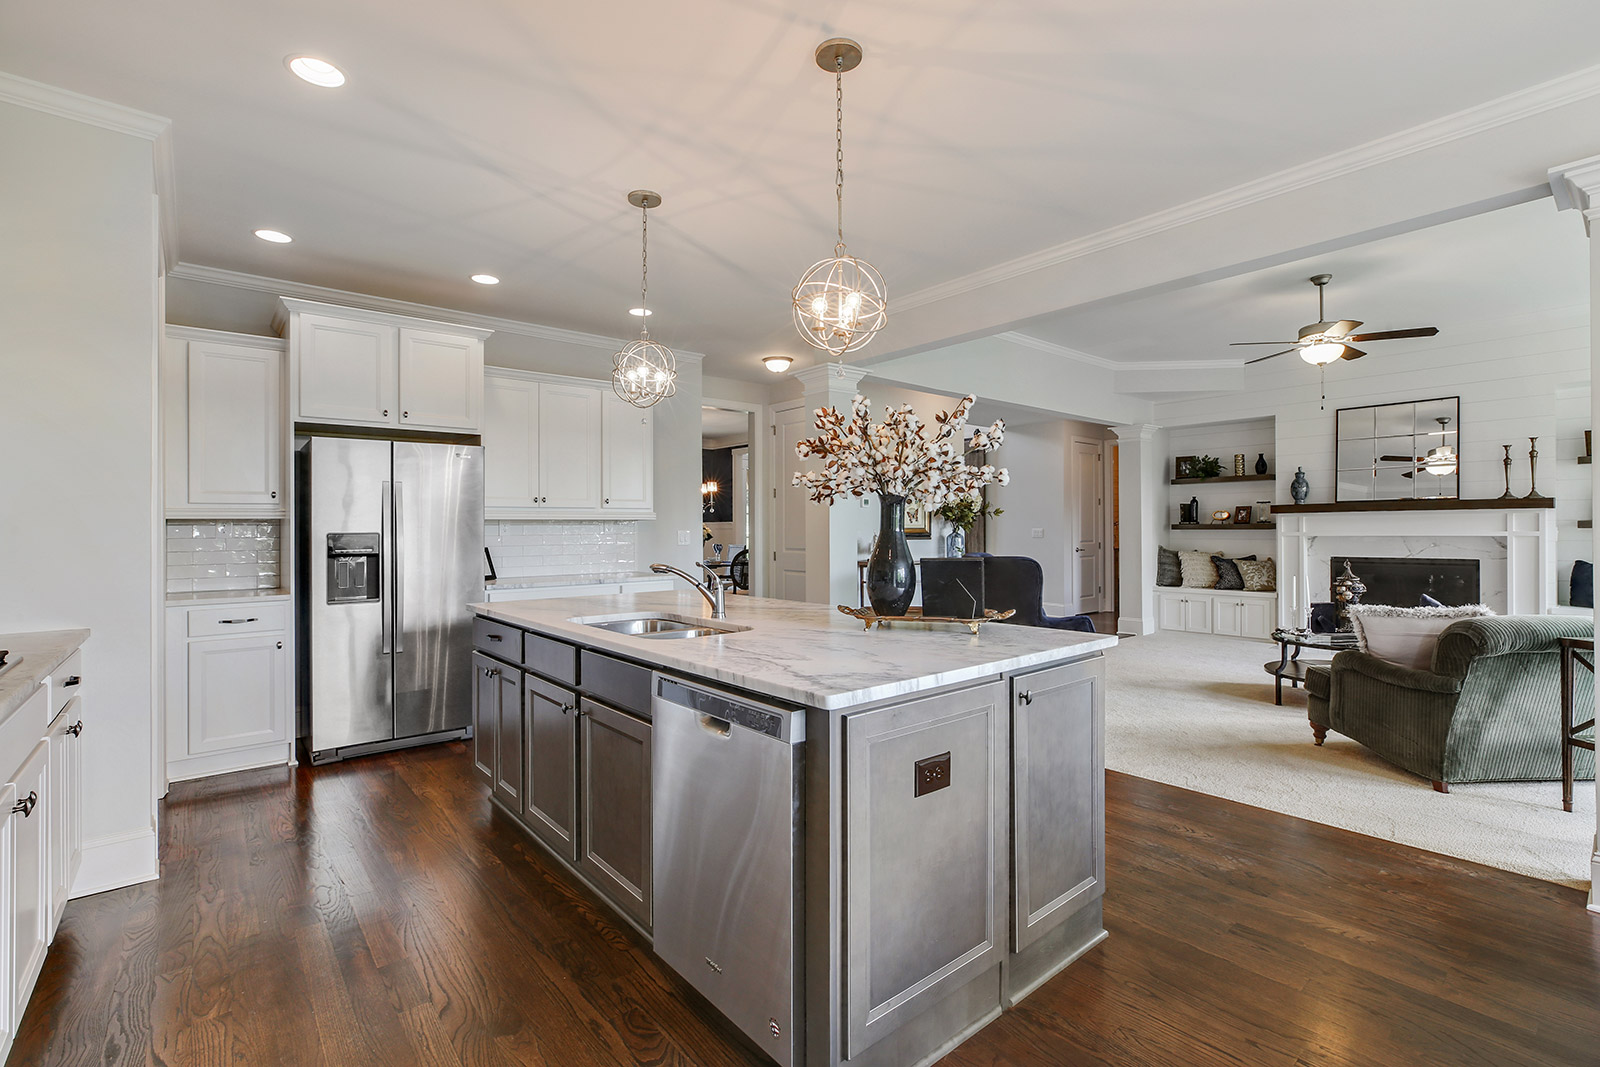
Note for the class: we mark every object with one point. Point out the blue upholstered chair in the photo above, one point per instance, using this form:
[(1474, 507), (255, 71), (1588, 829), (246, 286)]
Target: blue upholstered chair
[(1018, 582)]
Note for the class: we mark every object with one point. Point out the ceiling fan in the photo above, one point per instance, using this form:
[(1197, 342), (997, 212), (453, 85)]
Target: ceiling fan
[(1441, 462), (1322, 342)]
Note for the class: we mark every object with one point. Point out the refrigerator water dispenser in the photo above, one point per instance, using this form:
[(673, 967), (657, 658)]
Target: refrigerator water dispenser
[(353, 567)]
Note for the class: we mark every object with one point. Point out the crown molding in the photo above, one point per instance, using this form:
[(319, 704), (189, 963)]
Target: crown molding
[(1577, 185), (1525, 103), (200, 333), (279, 287), (818, 378), (67, 104), (1137, 431)]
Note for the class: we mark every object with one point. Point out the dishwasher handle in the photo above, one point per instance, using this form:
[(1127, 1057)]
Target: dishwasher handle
[(713, 725), (718, 713)]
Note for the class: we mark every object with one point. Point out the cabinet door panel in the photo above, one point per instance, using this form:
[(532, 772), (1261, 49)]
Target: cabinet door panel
[(551, 784), (1227, 616), (441, 380), (235, 417), (1197, 614), (30, 884), (615, 845), (925, 876), (569, 445), (237, 692), (508, 745), (628, 455), (510, 443), (1169, 611), (485, 715), (65, 811), (348, 371), (1258, 618), (1058, 791)]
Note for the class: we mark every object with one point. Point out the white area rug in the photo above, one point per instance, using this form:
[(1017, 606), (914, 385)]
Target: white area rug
[(1196, 711)]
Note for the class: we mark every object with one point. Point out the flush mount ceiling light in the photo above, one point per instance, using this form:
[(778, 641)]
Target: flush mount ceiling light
[(777, 364), (486, 279), (840, 302), (644, 372), (318, 72), (277, 237)]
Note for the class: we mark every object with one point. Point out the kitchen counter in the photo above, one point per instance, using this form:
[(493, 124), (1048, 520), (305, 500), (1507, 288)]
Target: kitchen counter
[(40, 653), (807, 654), (227, 596)]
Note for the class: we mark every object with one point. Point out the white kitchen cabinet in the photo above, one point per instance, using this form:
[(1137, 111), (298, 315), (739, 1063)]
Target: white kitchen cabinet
[(353, 367), (229, 692), (628, 455), (222, 424), (30, 884), (564, 448), (569, 446), (1211, 611), (66, 809), (441, 380)]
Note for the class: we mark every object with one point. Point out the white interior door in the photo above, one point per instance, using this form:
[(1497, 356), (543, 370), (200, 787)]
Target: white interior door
[(789, 518), (741, 496), (1087, 524)]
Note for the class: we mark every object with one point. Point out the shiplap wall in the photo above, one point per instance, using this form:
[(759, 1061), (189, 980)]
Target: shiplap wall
[(1573, 487), (1223, 440), (1515, 377)]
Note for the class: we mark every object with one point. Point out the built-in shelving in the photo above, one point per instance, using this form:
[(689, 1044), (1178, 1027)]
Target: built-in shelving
[(1427, 504), (1220, 479), (1225, 526)]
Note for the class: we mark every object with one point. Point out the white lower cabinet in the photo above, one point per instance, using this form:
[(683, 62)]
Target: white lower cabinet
[(1210, 611), (31, 926), (66, 813), (229, 691)]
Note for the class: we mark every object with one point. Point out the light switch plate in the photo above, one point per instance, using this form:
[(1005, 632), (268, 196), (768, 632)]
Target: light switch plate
[(1038, 533), (683, 537)]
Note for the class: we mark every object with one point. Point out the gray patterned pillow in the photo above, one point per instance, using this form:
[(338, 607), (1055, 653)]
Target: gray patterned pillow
[(1227, 573), (1167, 570), (1259, 577), (1198, 570)]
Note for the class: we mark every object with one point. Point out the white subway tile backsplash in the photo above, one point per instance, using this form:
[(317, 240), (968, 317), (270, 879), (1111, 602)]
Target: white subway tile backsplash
[(538, 549), (205, 556)]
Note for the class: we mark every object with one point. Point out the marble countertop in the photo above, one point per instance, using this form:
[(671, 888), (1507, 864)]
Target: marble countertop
[(549, 581), (35, 655), (227, 596), (807, 654)]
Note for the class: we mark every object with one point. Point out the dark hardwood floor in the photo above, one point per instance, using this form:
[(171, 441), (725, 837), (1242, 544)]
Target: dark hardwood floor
[(377, 912)]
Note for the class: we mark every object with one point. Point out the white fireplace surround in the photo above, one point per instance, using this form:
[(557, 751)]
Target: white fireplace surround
[(1515, 549)]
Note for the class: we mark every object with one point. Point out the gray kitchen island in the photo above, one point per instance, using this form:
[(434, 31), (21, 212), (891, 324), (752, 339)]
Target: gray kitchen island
[(859, 846)]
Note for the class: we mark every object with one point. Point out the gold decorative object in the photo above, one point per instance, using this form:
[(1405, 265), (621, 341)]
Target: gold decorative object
[(1533, 466), (1508, 494), (873, 619), (840, 302), (644, 372)]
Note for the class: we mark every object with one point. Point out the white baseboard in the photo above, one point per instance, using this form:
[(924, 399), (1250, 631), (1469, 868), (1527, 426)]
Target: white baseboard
[(117, 861), (1056, 609), (1594, 881), (276, 754), (1132, 624)]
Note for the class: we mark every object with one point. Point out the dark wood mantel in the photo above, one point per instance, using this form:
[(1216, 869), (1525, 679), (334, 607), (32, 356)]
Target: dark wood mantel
[(1445, 504)]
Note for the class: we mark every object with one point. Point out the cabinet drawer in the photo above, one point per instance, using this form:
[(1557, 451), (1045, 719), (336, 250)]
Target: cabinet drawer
[(553, 659), (497, 639), (66, 682), (617, 682), (247, 618)]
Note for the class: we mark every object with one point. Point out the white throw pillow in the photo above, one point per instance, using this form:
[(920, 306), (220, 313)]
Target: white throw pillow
[(1197, 569), (1407, 636)]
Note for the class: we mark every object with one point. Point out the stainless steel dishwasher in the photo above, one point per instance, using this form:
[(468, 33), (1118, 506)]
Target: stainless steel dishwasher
[(728, 868)]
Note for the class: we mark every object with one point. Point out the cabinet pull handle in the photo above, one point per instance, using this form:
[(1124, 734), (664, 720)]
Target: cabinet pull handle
[(76, 729), (1025, 697), (26, 804), (496, 637), (568, 707), (236, 622), (72, 679)]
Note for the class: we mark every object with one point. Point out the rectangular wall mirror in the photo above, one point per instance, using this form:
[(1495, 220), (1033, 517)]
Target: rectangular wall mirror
[(1404, 451)]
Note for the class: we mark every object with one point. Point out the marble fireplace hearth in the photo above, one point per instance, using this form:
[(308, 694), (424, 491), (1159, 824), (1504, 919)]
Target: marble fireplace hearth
[(1513, 541)]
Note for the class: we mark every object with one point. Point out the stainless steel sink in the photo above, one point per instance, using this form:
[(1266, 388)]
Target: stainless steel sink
[(659, 626)]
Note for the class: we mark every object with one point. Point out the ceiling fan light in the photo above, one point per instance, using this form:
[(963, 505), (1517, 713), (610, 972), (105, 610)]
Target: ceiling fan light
[(1322, 353)]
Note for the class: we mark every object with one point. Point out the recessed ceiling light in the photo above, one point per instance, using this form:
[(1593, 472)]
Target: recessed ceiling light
[(486, 279), (277, 237), (777, 364), (316, 71), (641, 312)]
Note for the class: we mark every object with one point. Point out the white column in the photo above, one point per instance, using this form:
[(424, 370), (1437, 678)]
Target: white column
[(1577, 185), (831, 531), (1141, 515)]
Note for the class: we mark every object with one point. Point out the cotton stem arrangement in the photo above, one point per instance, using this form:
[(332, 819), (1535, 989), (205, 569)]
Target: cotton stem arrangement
[(900, 456)]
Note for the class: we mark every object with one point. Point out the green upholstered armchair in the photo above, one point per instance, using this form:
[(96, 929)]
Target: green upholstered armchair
[(1488, 711)]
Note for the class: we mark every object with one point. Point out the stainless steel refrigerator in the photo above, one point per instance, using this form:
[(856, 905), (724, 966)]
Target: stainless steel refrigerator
[(390, 554)]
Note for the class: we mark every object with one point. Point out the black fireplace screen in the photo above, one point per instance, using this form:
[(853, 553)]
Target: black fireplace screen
[(1403, 582)]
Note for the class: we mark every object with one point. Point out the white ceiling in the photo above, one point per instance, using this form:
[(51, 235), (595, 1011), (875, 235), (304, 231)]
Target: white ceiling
[(487, 135), (1516, 261)]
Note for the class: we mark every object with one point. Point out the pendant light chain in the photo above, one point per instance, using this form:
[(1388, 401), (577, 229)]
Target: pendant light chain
[(644, 372), (838, 150), (644, 271)]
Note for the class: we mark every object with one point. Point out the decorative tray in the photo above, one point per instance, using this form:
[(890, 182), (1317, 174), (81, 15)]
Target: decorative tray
[(872, 618)]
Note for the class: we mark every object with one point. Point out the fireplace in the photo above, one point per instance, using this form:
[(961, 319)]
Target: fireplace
[(1402, 582)]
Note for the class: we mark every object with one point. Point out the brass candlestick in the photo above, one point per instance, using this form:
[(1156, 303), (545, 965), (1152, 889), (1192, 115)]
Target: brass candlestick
[(1533, 465), (1508, 494)]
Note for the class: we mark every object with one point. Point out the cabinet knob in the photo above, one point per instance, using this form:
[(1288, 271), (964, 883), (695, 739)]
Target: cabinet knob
[(568, 707), (386, 413), (26, 804), (491, 672), (1025, 697), (608, 500), (405, 414), (280, 644), (76, 729), (274, 494)]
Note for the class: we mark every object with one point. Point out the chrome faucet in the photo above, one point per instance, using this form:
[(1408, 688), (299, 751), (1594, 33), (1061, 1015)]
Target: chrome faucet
[(712, 588)]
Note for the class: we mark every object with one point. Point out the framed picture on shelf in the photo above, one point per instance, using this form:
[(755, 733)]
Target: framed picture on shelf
[(1241, 515), (917, 524), (1183, 467)]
